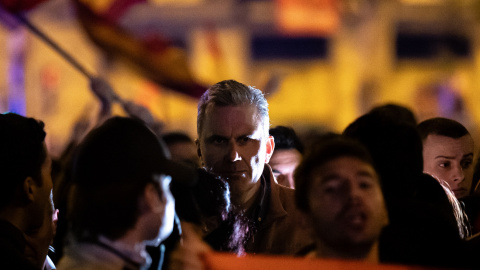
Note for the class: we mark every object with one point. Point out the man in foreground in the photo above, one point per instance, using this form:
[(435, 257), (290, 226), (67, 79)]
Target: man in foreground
[(234, 143), (120, 199), (26, 191)]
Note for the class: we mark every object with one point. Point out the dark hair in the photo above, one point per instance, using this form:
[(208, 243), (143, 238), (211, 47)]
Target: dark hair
[(176, 137), (395, 112), (210, 197), (111, 169), (320, 153), (22, 153), (286, 138), (396, 149), (443, 127)]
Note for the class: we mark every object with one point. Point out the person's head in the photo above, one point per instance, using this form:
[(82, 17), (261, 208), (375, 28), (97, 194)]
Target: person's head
[(339, 191), (24, 170), (121, 183), (233, 140), (448, 153), (182, 148), (395, 112), (287, 154), (206, 204), (396, 149)]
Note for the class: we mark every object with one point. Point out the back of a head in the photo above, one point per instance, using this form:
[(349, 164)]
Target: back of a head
[(443, 127), (318, 154), (111, 168), (286, 138), (22, 153), (396, 149), (395, 112), (210, 197), (232, 93)]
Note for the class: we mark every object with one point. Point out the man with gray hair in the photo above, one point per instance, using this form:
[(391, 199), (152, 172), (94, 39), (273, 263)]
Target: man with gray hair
[(234, 143)]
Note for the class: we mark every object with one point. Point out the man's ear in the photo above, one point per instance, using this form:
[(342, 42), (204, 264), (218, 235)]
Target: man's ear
[(199, 151), (270, 148), (29, 188)]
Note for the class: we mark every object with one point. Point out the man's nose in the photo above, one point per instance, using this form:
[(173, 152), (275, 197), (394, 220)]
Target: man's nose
[(354, 193), (233, 154), (459, 175)]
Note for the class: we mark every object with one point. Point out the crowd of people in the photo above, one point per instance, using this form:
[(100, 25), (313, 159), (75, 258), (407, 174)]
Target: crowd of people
[(387, 190)]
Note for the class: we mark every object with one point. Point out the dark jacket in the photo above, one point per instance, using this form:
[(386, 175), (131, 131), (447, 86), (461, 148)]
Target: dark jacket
[(12, 247)]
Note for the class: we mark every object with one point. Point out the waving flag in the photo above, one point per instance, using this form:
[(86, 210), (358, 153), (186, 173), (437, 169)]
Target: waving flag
[(155, 56)]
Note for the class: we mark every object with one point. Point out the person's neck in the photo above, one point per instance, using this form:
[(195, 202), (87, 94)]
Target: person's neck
[(363, 254), (244, 199)]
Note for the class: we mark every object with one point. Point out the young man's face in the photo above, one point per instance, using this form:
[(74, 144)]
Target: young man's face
[(346, 204), (450, 160), (283, 163), (233, 144)]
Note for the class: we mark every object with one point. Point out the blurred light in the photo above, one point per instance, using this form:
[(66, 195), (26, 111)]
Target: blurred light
[(424, 2), (307, 17)]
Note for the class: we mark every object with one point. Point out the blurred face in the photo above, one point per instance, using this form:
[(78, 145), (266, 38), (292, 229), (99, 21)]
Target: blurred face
[(283, 163), (450, 160), (233, 145), (346, 205)]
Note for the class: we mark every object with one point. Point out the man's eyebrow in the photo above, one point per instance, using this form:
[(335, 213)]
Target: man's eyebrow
[(468, 155), (216, 137), (366, 173), (330, 177), (445, 157)]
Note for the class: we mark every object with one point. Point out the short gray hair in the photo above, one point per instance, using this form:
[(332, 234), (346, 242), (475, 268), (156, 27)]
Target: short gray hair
[(232, 93)]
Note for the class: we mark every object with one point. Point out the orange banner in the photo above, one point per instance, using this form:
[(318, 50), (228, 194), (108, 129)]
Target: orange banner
[(224, 261)]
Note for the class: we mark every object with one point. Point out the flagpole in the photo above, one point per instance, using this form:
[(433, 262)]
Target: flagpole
[(98, 85), (55, 46)]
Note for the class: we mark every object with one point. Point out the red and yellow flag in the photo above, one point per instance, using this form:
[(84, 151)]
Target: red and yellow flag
[(154, 55)]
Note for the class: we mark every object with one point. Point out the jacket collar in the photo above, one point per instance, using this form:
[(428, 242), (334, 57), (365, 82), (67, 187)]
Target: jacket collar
[(271, 206)]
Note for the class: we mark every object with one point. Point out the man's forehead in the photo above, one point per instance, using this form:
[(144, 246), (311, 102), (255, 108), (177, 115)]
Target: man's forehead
[(435, 142), (212, 109), (239, 116), (346, 164), (284, 156)]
